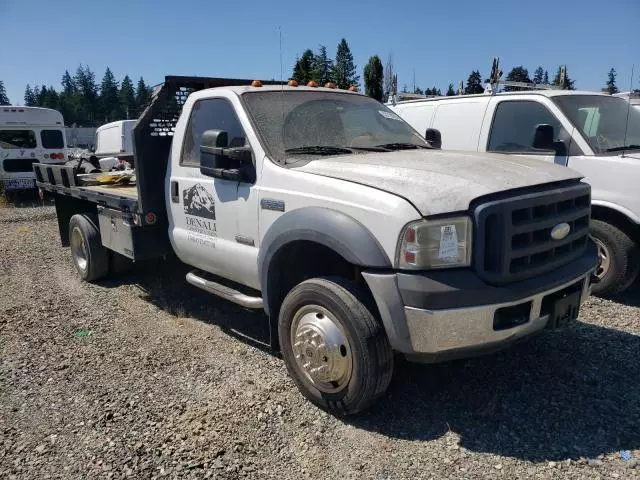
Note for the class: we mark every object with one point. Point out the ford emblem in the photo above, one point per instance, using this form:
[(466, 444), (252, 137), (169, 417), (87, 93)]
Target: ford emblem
[(560, 231)]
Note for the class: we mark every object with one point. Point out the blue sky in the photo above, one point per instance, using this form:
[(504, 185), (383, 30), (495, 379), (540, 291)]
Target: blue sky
[(442, 42)]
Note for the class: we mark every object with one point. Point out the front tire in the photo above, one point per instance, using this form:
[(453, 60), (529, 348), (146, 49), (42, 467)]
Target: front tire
[(90, 258), (619, 259), (333, 346)]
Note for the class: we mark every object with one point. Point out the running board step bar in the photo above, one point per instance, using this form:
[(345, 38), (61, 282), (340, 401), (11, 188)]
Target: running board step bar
[(223, 291)]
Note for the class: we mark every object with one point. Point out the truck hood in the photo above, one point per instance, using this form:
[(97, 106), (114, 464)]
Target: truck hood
[(436, 181)]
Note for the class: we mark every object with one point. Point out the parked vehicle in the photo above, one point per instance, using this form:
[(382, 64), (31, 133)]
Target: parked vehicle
[(325, 209), (586, 131), (632, 97), (115, 140), (28, 135)]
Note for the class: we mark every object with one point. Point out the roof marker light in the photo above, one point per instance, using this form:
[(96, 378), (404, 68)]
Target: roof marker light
[(292, 83), (312, 84), (330, 85), (256, 83)]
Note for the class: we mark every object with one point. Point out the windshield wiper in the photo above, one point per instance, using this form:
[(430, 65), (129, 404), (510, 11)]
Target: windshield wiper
[(401, 146), (319, 150), (619, 149)]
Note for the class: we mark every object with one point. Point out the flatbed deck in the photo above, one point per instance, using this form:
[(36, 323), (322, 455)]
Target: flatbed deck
[(124, 191)]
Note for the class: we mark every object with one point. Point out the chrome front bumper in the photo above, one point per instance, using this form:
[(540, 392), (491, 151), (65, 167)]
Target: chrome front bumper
[(469, 331), (446, 334)]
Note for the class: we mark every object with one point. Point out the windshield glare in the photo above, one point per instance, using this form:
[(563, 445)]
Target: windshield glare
[(602, 121), (288, 120)]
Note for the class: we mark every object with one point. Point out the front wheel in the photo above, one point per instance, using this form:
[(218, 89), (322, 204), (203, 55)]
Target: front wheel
[(333, 346), (618, 259)]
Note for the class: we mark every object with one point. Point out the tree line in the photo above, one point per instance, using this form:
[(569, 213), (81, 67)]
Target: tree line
[(85, 103), (379, 79)]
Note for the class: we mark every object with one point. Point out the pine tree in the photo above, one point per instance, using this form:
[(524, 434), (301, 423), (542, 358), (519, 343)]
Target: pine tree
[(302, 71), (69, 99), (344, 70), (538, 76), (517, 74), (474, 83), (322, 66), (545, 79), (51, 99), (143, 96), (109, 100), (127, 98), (568, 83), (42, 96), (374, 78), (30, 98), (611, 82), (88, 108), (418, 90), (4, 100), (450, 91)]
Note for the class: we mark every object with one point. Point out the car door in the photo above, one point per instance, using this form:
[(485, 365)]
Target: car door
[(513, 125), (206, 212)]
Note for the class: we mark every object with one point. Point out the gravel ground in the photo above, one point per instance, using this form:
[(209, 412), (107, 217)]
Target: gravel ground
[(144, 376)]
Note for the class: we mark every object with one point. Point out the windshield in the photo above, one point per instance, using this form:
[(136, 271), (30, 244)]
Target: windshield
[(309, 124), (14, 139), (602, 121)]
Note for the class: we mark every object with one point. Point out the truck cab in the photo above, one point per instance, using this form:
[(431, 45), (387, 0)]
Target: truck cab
[(329, 212), (595, 134)]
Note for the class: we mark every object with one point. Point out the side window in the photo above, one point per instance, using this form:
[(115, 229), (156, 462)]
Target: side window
[(514, 125), (211, 114)]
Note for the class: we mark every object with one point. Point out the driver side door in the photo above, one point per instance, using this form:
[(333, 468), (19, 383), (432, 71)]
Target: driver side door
[(513, 127), (205, 210)]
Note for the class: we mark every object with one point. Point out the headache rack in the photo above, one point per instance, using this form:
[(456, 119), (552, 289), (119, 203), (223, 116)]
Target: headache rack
[(153, 133), (514, 240)]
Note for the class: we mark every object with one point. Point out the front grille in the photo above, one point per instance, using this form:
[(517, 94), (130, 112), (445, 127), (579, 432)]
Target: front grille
[(514, 234), (18, 164)]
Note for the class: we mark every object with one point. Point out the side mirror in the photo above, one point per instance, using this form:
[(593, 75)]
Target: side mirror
[(433, 137), (219, 161), (543, 139)]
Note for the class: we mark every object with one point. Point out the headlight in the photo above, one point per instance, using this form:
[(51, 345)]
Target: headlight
[(430, 244)]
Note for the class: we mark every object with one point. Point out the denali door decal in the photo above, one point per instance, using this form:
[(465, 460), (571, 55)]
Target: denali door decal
[(200, 215)]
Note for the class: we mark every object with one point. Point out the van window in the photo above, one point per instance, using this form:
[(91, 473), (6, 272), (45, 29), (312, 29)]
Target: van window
[(211, 114), (514, 125), (51, 139), (13, 139)]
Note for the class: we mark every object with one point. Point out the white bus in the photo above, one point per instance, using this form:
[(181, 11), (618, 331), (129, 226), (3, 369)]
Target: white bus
[(28, 135)]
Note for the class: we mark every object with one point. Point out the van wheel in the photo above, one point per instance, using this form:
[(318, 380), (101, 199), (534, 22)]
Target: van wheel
[(89, 256), (618, 259), (333, 346)]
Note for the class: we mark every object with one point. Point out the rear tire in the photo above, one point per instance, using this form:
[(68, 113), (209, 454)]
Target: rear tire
[(90, 258), (334, 347), (619, 259)]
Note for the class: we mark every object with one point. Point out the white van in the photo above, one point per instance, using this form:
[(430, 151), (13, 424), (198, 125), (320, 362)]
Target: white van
[(28, 135), (586, 131), (115, 140)]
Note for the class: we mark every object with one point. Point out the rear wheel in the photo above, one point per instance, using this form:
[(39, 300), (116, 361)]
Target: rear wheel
[(334, 347), (90, 258), (618, 259)]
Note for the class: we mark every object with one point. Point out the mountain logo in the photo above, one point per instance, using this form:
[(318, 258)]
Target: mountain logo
[(198, 202)]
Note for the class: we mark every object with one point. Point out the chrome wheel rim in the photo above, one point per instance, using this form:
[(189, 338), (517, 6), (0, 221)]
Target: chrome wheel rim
[(321, 348), (78, 249), (604, 259)]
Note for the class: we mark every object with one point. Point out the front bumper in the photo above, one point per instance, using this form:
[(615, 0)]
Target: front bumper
[(467, 324)]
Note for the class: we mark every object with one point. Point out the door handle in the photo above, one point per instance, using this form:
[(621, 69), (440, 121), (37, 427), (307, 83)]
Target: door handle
[(175, 193)]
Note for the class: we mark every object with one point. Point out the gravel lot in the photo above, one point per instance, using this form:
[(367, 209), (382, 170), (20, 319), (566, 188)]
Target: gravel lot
[(144, 376)]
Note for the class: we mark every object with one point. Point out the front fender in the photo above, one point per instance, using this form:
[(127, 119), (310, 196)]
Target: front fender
[(339, 232)]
